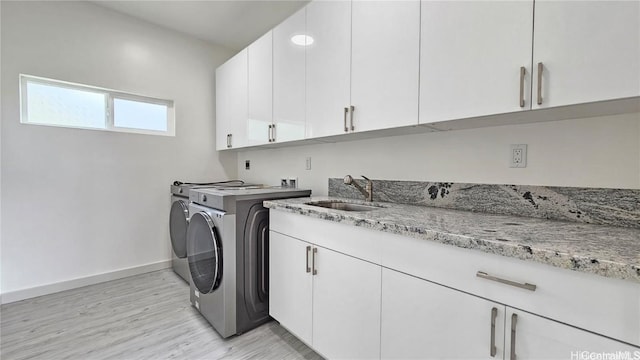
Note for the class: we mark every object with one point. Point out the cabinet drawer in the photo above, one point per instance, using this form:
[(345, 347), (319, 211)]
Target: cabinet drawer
[(610, 307), (347, 239)]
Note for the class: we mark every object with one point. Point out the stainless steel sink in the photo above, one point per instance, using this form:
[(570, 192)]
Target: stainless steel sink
[(344, 206)]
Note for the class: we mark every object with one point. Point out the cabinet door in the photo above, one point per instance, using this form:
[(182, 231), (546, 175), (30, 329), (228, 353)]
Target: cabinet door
[(590, 51), (533, 337), (385, 56), (470, 58), (328, 67), (423, 320), (346, 306), (231, 102), (288, 79), (260, 80), (290, 285)]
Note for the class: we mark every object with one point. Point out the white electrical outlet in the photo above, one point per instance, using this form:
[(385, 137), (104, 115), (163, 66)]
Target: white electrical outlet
[(518, 156), (293, 182), (308, 163)]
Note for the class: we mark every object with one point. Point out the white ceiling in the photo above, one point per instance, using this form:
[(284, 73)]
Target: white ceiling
[(230, 23)]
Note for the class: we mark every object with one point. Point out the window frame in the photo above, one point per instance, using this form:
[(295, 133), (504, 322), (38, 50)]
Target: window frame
[(109, 94)]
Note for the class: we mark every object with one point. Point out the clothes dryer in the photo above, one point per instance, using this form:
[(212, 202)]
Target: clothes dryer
[(179, 221), (228, 253)]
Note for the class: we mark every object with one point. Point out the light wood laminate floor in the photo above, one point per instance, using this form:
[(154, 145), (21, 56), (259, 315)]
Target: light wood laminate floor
[(146, 316)]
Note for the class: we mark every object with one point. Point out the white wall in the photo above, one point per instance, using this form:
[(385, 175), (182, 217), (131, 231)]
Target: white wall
[(77, 203), (592, 152), (0, 158)]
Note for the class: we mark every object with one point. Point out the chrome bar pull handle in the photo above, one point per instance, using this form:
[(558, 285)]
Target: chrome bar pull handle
[(523, 71), (313, 261), (540, 69), (353, 108), (230, 140), (346, 110), (273, 133), (514, 322), (492, 346), (308, 251), (269, 133), (526, 286)]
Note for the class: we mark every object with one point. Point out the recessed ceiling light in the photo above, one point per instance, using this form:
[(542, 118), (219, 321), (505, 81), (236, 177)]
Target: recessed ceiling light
[(302, 40)]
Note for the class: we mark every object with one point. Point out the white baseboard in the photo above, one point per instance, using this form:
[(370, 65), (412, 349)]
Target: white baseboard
[(36, 291)]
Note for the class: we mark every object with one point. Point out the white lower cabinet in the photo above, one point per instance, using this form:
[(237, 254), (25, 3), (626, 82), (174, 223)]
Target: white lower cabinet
[(346, 306), (416, 299), (530, 336), (329, 300), (423, 320), (290, 286)]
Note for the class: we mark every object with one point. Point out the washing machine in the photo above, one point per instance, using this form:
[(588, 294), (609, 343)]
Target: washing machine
[(179, 221), (227, 254)]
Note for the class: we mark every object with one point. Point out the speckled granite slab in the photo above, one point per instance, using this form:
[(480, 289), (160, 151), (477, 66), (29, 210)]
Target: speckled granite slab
[(616, 207), (603, 250)]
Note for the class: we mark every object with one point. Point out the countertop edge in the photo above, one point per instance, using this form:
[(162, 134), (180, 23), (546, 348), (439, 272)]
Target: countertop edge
[(580, 263)]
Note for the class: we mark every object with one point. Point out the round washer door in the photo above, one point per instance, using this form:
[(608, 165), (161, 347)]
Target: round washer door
[(178, 223), (204, 253)]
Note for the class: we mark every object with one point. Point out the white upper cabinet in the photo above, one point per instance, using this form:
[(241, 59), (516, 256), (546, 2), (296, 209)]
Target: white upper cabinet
[(385, 64), (288, 78), (260, 80), (337, 67), (471, 58), (589, 51), (328, 67), (231, 102)]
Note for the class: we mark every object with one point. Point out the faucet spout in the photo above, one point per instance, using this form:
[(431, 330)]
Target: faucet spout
[(367, 191)]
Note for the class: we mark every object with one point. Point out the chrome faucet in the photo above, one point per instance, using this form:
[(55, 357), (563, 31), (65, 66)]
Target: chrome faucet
[(368, 189)]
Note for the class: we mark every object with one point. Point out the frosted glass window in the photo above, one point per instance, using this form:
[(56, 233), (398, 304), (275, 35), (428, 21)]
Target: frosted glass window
[(54, 105), (60, 103), (139, 115)]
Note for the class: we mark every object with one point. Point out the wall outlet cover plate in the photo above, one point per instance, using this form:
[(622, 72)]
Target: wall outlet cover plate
[(518, 155)]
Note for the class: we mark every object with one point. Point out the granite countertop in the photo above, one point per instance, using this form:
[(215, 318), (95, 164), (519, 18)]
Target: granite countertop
[(597, 249)]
